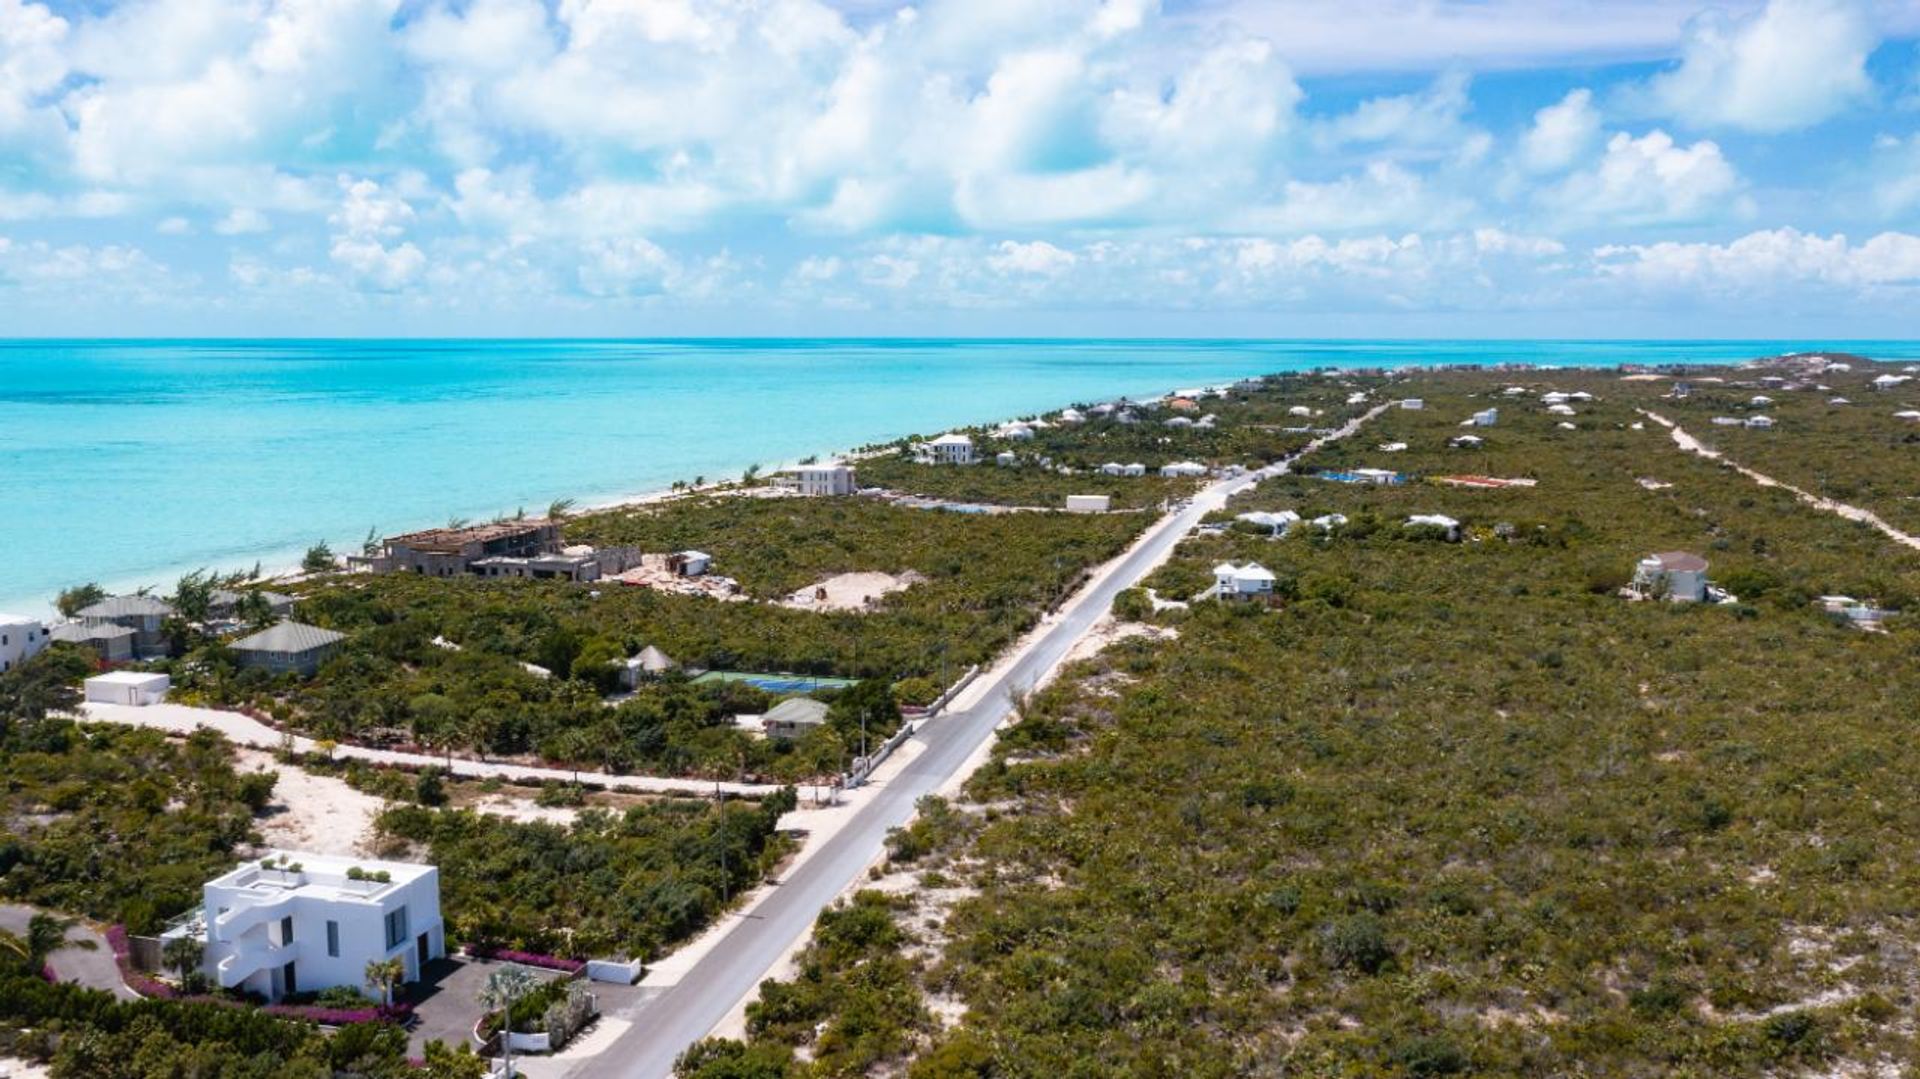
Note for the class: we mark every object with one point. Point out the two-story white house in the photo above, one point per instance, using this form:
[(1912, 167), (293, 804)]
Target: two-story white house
[(21, 638), (297, 922), (824, 480), (1251, 581), (948, 449)]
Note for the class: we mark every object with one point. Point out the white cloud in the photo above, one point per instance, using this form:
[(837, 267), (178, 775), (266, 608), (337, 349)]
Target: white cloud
[(367, 236), (1423, 120), (1648, 180), (625, 267), (1765, 260), (1790, 66), (1036, 257), (174, 226), (242, 221), (1561, 133)]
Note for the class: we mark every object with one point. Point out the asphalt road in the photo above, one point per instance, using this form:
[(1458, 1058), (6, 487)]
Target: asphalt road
[(685, 1012)]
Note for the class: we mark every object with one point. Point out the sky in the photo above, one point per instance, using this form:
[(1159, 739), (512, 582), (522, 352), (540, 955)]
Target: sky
[(1285, 168)]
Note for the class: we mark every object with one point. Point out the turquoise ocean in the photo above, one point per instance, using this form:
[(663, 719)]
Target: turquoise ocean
[(128, 462)]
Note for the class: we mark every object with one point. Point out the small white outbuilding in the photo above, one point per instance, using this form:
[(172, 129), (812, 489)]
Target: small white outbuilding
[(1089, 503), (137, 688)]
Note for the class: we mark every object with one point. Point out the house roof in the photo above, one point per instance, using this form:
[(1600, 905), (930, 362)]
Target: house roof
[(803, 710), (1253, 571), (80, 631), (652, 659), (1679, 561), (221, 596), (451, 540), (951, 439), (291, 637), (125, 606)]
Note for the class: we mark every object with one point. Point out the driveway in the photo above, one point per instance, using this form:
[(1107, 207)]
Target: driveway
[(447, 1001), (86, 960)]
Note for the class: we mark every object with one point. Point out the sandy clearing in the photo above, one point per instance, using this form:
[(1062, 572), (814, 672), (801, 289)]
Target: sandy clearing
[(309, 812), (1852, 513), (850, 591)]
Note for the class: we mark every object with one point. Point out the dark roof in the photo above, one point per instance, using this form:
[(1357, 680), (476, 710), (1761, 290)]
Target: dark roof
[(79, 631), (451, 540), (288, 637)]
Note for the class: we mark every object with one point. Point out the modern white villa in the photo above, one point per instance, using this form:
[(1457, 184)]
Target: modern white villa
[(822, 480), (948, 449), (297, 922), (21, 638)]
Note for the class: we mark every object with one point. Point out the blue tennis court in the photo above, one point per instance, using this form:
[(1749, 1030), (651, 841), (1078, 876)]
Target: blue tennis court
[(777, 683)]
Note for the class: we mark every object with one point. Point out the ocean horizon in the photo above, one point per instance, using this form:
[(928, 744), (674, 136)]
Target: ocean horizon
[(131, 461)]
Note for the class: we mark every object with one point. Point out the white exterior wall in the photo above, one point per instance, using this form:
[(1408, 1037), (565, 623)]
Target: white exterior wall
[(247, 945), (127, 687), (1088, 503), (20, 639), (828, 480)]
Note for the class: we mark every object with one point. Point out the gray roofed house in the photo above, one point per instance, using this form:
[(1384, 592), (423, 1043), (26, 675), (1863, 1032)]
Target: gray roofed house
[(651, 663), (287, 647), (111, 643), (793, 717), (144, 615), (223, 601)]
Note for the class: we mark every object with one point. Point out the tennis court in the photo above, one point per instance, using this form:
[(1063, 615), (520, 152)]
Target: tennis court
[(777, 683)]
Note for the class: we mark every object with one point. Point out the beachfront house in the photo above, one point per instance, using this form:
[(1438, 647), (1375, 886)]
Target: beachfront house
[(1251, 581), (135, 688), (822, 480), (1089, 503), (287, 648), (948, 449), (113, 644), (1183, 469), (450, 552), (297, 922), (21, 638), (577, 563), (793, 718), (1680, 576), (224, 603), (144, 615), (1447, 526)]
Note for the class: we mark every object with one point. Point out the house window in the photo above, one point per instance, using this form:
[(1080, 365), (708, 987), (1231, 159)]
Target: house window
[(286, 930), (397, 928), (333, 939)]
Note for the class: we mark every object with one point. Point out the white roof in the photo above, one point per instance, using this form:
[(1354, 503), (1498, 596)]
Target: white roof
[(1440, 519), (321, 874), (1225, 569), (951, 439), (697, 556), (1905, 414), (1330, 520), (1253, 571), (139, 679), (7, 619)]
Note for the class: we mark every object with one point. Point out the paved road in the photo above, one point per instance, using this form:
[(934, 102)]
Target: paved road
[(87, 961), (685, 1012)]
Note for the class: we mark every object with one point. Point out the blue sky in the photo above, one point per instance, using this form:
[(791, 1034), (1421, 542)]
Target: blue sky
[(980, 167)]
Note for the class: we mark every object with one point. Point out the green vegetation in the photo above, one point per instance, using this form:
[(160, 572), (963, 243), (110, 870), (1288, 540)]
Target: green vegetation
[(1450, 808), (1028, 484), (117, 823), (633, 882)]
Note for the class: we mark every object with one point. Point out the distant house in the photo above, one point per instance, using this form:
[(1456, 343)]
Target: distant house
[(1251, 581), (1764, 423), (1183, 404), (1178, 421), (1329, 522), (136, 688), (1466, 442), (793, 718), (1019, 432), (1728, 421), (1555, 398), (948, 449), (1413, 404), (1888, 382), (1907, 414), (1183, 469), (1115, 468), (649, 664), (1680, 576), (1395, 447), (1759, 401), (689, 563), (144, 615), (1089, 503), (225, 601), (113, 644), (1276, 523), (1072, 415), (1560, 410), (1006, 459), (450, 552), (1300, 410), (21, 638), (288, 648), (577, 563), (1838, 401), (822, 480), (1379, 477), (1447, 525)]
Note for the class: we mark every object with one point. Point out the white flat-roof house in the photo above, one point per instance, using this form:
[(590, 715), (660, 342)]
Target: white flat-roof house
[(21, 638), (296, 922), (1680, 576), (1447, 525), (1089, 503), (1250, 581), (1486, 417), (949, 449), (1184, 468), (137, 688), (822, 480)]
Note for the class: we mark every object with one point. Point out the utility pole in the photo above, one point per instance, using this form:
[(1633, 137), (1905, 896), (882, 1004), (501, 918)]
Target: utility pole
[(726, 882)]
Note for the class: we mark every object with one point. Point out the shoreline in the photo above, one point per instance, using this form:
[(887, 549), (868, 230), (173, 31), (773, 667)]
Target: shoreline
[(282, 564)]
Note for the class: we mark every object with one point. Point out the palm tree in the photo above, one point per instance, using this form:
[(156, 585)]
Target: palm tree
[(560, 509), (183, 955), (383, 974), (504, 986)]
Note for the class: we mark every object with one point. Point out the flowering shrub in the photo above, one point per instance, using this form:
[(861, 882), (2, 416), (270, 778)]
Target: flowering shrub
[(531, 959), (137, 980), (398, 1014)]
